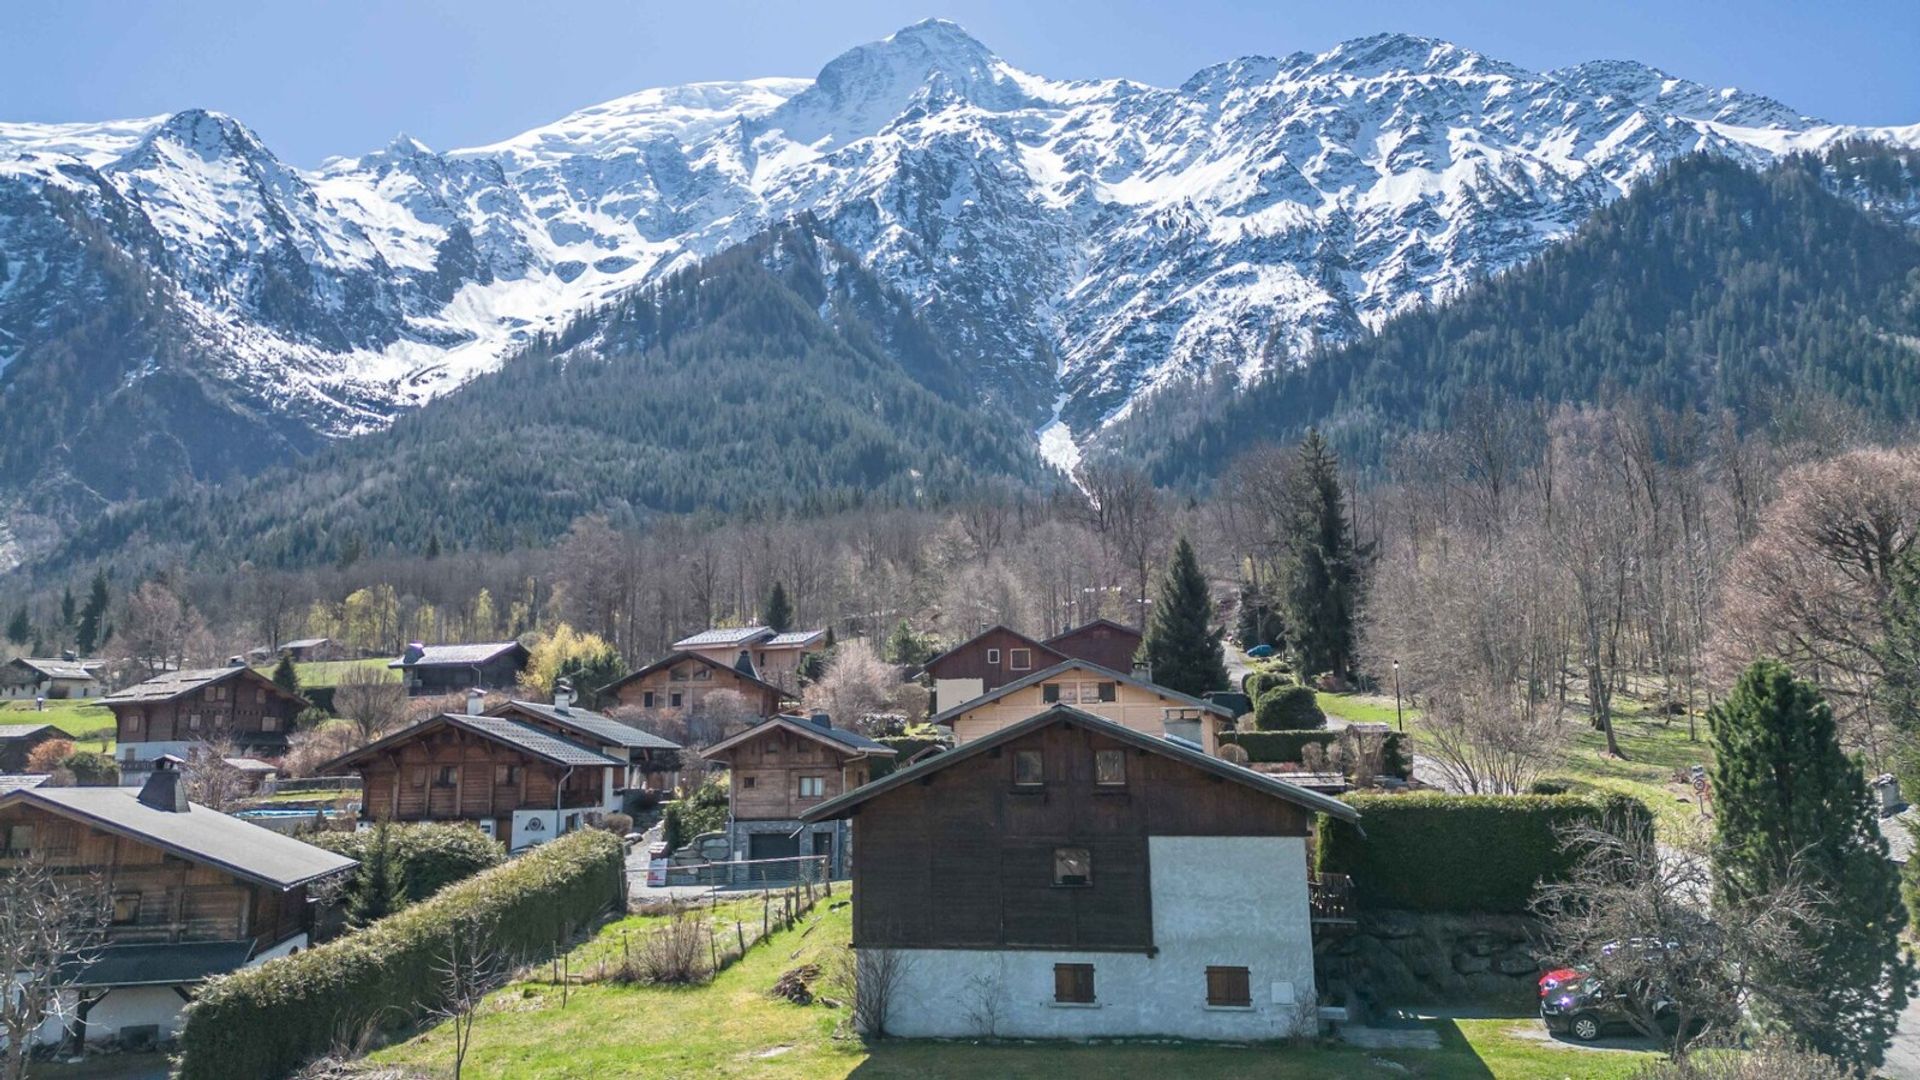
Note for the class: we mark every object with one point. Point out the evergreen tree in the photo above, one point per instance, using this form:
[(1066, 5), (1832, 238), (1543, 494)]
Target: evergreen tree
[(906, 647), (1321, 566), (778, 615), (433, 544), (1182, 645), (90, 634), (284, 675), (1258, 621), (1899, 656), (66, 607), (1792, 807), (20, 627), (377, 889)]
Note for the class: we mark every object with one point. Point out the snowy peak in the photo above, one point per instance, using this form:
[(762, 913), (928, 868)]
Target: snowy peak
[(1400, 55), (1631, 82)]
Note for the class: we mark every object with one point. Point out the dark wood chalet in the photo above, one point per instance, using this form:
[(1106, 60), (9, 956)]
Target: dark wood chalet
[(194, 893), (451, 669), (683, 681), (1084, 862), (18, 740), (782, 767), (984, 663), (653, 763), (515, 782), (174, 712), (1102, 641)]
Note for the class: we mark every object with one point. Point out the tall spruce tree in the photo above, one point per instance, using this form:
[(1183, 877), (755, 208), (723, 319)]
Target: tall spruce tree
[(1182, 645), (378, 887), (1321, 566), (285, 676), (1898, 654), (1792, 807), (20, 627), (66, 608), (91, 633), (779, 610)]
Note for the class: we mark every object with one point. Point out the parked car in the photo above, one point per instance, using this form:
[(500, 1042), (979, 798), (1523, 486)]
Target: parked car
[(1580, 1005)]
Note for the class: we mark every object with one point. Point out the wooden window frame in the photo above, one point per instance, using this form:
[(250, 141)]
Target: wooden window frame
[(1040, 760), (646, 699), (444, 780), (748, 781), (14, 848), (1073, 985), (1049, 693), (993, 657), (820, 782), (1109, 691), (1015, 663), (676, 700), (1073, 881), (1100, 756), (1229, 987), (121, 917)]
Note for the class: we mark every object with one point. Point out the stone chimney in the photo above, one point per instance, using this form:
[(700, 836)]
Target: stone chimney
[(163, 790), (823, 721), (562, 694), (1143, 671), (415, 650), (476, 701)]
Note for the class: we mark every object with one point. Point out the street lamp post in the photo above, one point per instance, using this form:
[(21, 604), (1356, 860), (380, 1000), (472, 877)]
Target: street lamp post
[(1398, 718)]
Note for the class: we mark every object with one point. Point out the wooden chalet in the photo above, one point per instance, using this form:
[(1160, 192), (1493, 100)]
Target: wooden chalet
[(770, 655), (1104, 642), (194, 893), (1143, 706), (984, 663), (1094, 880), (172, 713), (782, 767), (520, 784), (681, 682), (653, 763), (18, 740), (25, 678), (451, 669)]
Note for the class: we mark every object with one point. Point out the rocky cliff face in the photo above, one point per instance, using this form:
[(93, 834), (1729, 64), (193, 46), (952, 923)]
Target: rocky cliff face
[(1075, 244)]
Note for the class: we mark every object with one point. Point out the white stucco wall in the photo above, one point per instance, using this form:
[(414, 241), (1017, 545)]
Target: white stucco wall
[(1232, 901), (950, 692), (138, 1006)]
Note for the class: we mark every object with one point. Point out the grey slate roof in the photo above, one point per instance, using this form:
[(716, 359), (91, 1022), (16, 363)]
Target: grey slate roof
[(794, 639), (161, 964), (197, 834), (604, 729), (700, 658), (851, 740), (79, 670), (1179, 750), (1104, 674), (731, 635), (10, 732), (457, 655), (172, 684), (306, 643), (514, 733), (15, 781)]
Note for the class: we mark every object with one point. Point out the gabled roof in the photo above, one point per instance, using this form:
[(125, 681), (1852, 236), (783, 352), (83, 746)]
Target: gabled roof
[(603, 729), (160, 964), (11, 781), (10, 732), (83, 670), (1065, 666), (197, 834), (305, 643), (727, 635), (458, 655), (793, 639), (521, 736), (1120, 626), (996, 628), (173, 684), (842, 805), (675, 657), (835, 738)]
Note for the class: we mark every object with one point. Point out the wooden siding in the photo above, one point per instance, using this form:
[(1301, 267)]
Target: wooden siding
[(775, 761), (964, 859), (694, 681), (1134, 707), (1100, 643), (243, 709), (971, 662), (500, 673), (779, 666), (168, 898), (404, 782)]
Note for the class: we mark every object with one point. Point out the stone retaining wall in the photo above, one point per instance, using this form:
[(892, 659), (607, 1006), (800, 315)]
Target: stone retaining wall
[(1403, 958)]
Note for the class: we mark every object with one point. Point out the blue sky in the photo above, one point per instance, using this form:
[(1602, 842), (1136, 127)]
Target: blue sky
[(343, 77)]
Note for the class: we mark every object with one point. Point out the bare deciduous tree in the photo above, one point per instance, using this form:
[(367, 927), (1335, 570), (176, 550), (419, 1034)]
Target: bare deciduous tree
[(210, 777), (467, 969), (48, 925), (859, 686), (871, 978), (371, 699)]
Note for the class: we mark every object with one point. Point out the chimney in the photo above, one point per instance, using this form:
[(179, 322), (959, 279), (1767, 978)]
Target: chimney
[(1888, 789), (744, 665), (1143, 671), (415, 650), (823, 721), (476, 701), (69, 655), (562, 694), (162, 790), (236, 661)]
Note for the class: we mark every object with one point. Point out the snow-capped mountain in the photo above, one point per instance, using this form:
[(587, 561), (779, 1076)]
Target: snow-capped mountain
[(1076, 244)]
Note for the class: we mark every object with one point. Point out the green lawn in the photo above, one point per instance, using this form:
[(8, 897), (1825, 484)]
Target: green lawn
[(319, 674), (1362, 708), (734, 1028), (81, 719)]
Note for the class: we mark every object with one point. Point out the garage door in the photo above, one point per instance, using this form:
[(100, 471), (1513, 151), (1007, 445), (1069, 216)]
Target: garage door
[(772, 846)]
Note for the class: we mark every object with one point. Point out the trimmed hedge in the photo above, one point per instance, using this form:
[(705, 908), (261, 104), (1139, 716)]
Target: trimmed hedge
[(1279, 746), (267, 1021), (427, 857), (1288, 708), (1475, 854), (1255, 684), (702, 811)]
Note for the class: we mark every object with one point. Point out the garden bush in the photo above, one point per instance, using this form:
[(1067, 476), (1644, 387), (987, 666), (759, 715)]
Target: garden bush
[(1433, 852), (1260, 680), (1267, 747), (704, 811), (264, 1022), (1288, 708), (423, 857)]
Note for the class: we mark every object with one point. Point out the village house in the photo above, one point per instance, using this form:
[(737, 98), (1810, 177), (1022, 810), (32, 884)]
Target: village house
[(683, 681), (517, 783), (769, 655), (307, 650), (1071, 877), (452, 669), (1143, 706), (18, 740), (1105, 642), (782, 767), (194, 893), (984, 663), (25, 678), (653, 763), (179, 710)]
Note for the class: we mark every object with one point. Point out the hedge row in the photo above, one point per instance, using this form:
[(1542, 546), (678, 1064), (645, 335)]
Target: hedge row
[(1433, 852), (264, 1022), (426, 857), (1278, 746)]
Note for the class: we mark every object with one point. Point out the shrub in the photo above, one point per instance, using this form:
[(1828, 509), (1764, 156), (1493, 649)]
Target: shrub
[(617, 824), (263, 1022), (90, 768), (48, 755), (1288, 708), (422, 858), (1290, 746), (1459, 853), (1260, 680), (1549, 787), (703, 811), (1769, 1058)]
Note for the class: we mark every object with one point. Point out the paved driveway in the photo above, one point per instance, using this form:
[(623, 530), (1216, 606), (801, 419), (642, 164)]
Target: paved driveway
[(1903, 1056)]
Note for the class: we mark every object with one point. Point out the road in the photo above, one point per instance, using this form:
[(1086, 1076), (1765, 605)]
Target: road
[(1903, 1056)]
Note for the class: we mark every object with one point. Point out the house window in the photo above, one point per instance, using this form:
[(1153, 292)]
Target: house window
[(1089, 693), (193, 721), (1229, 987), (1110, 768), (1072, 866), (748, 781), (419, 776), (126, 908), (260, 695), (19, 839), (1050, 692), (676, 699), (813, 787), (1107, 691), (646, 699), (269, 723), (133, 722), (1073, 984), (506, 774), (1029, 767), (449, 776), (219, 693), (993, 656), (703, 675), (1020, 659)]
